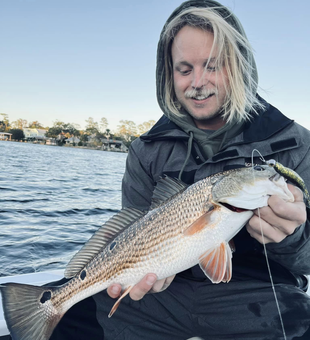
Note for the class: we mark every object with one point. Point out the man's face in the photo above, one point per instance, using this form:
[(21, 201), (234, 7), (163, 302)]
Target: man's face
[(200, 90)]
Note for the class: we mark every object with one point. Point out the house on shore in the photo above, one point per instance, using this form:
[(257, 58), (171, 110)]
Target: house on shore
[(72, 141), (113, 145), (51, 141), (5, 136), (32, 134)]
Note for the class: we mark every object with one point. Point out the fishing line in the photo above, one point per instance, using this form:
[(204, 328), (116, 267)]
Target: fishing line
[(265, 252)]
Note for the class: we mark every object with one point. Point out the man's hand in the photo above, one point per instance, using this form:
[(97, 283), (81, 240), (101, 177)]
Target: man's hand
[(149, 284), (279, 219)]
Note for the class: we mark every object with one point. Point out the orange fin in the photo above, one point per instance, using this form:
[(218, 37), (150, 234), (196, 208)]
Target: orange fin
[(228, 273), (117, 303), (200, 223), (216, 263)]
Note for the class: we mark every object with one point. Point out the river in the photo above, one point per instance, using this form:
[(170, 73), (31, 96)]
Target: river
[(52, 199)]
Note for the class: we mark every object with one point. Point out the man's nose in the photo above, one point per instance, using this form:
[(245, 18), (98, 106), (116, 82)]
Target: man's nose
[(199, 79)]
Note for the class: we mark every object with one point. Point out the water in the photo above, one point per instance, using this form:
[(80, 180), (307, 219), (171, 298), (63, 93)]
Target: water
[(52, 199)]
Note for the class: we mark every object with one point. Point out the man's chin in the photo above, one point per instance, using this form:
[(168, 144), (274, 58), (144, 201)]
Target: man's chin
[(205, 116), (208, 121)]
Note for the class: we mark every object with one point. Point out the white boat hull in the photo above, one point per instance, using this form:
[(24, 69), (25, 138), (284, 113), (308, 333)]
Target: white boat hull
[(37, 279)]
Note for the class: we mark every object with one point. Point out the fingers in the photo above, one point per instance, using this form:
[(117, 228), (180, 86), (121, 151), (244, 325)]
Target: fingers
[(114, 290), (297, 193), (138, 291), (288, 211), (265, 233), (279, 219), (143, 287), (162, 284), (148, 284)]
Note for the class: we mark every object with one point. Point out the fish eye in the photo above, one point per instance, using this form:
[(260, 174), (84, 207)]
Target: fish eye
[(258, 168)]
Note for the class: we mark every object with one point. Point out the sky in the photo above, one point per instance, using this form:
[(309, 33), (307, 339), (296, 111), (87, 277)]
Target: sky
[(69, 60)]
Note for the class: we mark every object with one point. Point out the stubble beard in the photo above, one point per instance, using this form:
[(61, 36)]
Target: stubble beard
[(208, 116), (211, 115)]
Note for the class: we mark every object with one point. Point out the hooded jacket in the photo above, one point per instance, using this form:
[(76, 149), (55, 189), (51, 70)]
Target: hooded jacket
[(211, 142), (179, 150)]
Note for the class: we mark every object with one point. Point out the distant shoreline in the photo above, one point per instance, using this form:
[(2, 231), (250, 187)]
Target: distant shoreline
[(97, 148)]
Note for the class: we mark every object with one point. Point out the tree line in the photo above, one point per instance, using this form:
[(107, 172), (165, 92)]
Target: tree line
[(126, 131)]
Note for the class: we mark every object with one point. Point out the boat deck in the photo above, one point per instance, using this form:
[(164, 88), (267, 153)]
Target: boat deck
[(37, 279)]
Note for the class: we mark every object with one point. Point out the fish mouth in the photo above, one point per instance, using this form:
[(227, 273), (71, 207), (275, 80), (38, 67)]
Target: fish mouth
[(232, 208), (276, 177)]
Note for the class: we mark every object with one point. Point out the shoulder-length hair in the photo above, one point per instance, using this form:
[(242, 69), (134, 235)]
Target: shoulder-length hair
[(234, 53)]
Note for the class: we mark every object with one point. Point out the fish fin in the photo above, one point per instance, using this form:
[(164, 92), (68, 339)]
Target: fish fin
[(228, 272), (28, 312), (165, 189), (216, 263), (200, 223), (117, 303), (102, 237)]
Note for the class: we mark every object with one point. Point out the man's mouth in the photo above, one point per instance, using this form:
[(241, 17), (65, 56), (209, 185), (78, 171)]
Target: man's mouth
[(202, 97)]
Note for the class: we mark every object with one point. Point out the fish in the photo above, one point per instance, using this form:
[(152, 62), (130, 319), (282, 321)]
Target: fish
[(184, 226), (292, 176)]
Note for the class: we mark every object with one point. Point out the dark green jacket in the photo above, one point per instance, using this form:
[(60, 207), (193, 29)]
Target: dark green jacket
[(162, 151)]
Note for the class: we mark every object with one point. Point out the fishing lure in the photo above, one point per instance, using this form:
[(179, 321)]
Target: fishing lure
[(292, 176)]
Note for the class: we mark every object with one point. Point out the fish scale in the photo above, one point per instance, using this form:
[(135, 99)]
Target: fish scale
[(142, 235), (185, 226)]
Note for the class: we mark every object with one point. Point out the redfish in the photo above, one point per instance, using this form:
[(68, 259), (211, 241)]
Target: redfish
[(185, 225)]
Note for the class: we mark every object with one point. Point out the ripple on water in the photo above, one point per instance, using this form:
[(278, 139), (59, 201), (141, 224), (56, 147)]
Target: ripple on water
[(52, 199)]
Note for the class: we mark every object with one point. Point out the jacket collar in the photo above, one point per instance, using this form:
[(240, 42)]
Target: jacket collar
[(261, 127), (265, 125)]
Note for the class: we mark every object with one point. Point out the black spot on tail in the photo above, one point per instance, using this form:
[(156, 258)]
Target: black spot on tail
[(27, 315), (46, 296), (83, 275)]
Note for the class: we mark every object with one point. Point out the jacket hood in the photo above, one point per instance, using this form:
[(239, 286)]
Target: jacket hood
[(211, 143), (263, 126)]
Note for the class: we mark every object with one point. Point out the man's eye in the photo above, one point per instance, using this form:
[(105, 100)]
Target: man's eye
[(211, 68), (184, 72)]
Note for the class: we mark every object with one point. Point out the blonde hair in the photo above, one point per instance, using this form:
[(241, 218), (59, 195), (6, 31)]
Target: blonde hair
[(234, 53)]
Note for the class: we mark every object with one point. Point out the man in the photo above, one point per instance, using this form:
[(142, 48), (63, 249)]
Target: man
[(213, 120)]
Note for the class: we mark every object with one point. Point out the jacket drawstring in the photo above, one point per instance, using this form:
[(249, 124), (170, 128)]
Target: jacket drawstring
[(189, 150)]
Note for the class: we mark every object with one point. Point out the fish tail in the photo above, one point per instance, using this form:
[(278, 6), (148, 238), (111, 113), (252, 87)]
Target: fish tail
[(29, 311)]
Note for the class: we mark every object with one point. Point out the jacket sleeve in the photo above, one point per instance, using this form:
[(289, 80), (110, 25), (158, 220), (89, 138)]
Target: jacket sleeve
[(294, 251), (137, 184)]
